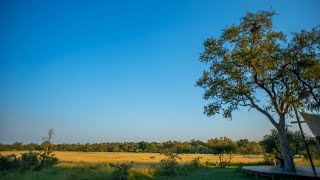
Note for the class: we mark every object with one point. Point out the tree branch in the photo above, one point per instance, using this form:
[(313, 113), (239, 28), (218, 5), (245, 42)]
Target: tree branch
[(254, 105)]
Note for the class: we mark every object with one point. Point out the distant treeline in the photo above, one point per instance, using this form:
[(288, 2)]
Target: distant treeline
[(243, 146)]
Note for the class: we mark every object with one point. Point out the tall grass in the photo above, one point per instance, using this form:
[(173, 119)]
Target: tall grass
[(81, 165), (97, 172), (89, 172), (75, 159), (114, 157)]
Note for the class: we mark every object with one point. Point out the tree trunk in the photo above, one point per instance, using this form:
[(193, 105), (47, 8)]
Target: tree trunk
[(318, 142), (286, 154)]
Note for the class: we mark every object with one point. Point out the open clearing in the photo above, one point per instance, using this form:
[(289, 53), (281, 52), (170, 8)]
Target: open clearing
[(78, 158), (94, 165), (113, 157)]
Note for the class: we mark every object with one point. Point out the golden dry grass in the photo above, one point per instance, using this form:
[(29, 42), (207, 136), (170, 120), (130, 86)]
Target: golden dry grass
[(78, 158), (103, 157)]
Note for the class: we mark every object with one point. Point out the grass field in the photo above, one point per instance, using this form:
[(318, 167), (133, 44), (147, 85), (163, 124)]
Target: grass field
[(78, 158), (105, 157), (94, 165), (100, 172)]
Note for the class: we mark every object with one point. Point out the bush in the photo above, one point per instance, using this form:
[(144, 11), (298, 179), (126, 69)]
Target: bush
[(196, 162), (313, 152), (9, 162), (269, 158), (121, 171), (224, 148), (28, 161), (47, 160), (167, 166)]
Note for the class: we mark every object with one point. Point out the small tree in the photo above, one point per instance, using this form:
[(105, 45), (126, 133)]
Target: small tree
[(196, 162), (242, 145), (47, 142), (168, 165), (247, 147), (46, 156), (224, 148)]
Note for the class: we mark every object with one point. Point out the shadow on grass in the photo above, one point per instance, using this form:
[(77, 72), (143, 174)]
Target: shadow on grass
[(61, 173), (140, 171), (213, 173)]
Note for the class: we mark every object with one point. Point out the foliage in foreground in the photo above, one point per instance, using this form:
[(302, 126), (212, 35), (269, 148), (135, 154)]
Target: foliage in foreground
[(121, 171), (103, 172), (33, 161), (28, 161), (196, 162), (168, 166)]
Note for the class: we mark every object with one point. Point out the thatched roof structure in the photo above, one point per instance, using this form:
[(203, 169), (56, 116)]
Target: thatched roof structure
[(313, 121)]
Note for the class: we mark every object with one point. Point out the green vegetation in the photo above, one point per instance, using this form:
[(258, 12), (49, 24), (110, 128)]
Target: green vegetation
[(225, 148), (89, 172), (38, 164), (188, 147), (196, 162), (104, 171), (247, 60), (215, 173), (251, 62), (168, 166), (121, 171), (31, 161), (219, 146), (271, 145)]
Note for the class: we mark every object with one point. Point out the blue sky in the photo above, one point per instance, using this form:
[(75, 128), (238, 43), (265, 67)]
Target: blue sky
[(102, 71)]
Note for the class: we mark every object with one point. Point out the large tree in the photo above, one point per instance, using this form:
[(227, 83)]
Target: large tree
[(303, 61), (271, 143), (252, 65)]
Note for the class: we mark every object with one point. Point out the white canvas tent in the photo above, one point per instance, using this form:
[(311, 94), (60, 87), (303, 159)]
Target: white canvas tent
[(313, 121)]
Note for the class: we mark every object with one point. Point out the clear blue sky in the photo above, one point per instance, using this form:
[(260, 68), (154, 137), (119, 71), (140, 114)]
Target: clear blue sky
[(101, 71)]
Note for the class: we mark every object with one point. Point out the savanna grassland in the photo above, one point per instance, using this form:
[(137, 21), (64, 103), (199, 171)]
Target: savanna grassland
[(74, 158), (78, 158), (95, 165)]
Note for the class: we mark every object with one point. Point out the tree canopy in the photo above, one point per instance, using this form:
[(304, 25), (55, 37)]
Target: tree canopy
[(251, 60), (251, 64), (271, 143)]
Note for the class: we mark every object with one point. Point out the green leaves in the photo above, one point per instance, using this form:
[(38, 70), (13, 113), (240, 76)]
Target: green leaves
[(252, 58)]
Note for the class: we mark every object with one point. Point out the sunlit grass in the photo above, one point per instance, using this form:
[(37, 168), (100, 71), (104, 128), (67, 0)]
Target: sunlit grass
[(72, 159), (95, 165), (113, 157)]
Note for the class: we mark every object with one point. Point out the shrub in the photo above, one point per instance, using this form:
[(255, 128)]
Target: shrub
[(196, 162), (9, 162), (28, 161), (31, 160), (313, 152), (121, 171), (47, 160), (167, 166), (224, 148), (269, 158)]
